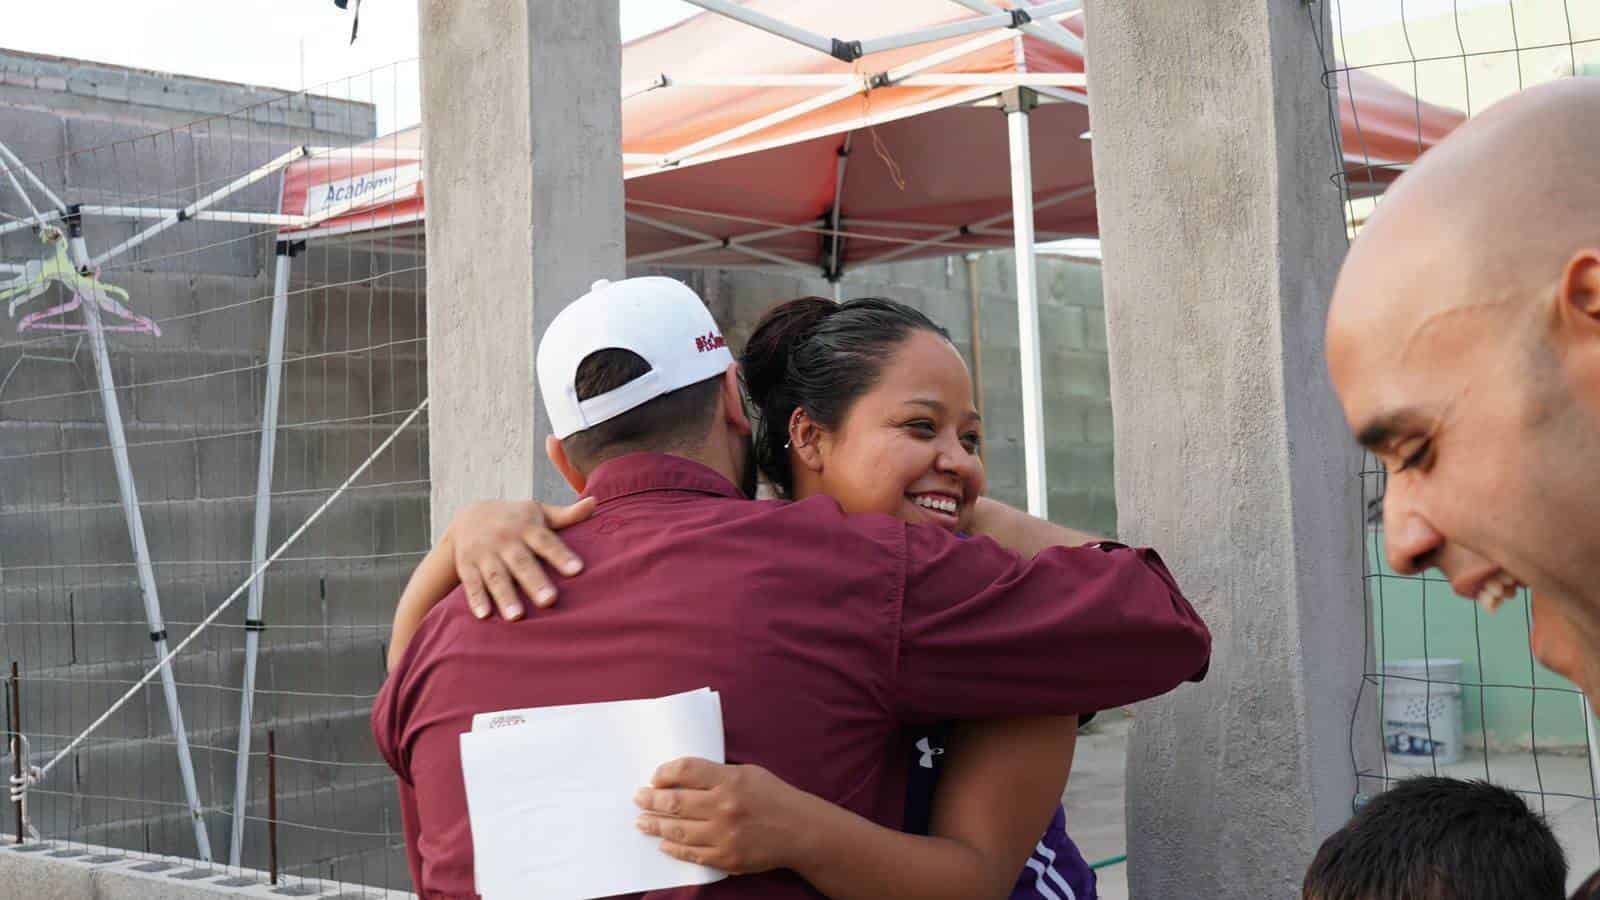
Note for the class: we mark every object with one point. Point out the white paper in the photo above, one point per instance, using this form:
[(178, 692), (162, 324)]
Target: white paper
[(550, 795)]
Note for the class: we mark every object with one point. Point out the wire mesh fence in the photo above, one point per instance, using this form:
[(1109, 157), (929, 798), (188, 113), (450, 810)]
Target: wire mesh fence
[(1457, 690), (213, 328)]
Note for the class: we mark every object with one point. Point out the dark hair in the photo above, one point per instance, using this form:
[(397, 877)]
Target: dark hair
[(678, 420), (1434, 838), (819, 356)]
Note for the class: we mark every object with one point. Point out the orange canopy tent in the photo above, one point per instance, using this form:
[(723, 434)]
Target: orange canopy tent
[(826, 134), (742, 147)]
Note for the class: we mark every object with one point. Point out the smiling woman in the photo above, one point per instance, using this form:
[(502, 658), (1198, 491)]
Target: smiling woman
[(869, 403)]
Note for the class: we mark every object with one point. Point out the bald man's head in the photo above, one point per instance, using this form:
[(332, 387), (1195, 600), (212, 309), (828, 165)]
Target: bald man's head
[(1464, 342)]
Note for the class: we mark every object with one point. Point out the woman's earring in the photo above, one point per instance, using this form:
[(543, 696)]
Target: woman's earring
[(787, 443)]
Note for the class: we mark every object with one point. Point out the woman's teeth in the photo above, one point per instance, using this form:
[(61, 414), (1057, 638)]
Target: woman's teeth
[(935, 503), (1500, 588)]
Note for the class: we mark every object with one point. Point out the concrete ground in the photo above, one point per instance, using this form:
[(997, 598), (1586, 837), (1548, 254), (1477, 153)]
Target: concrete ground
[(1096, 819), (1558, 786)]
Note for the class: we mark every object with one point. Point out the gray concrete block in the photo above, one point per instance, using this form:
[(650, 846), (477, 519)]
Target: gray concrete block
[(30, 465), (111, 85), (27, 876), (322, 457), (1064, 420), (356, 316), (198, 530), (183, 386), (120, 161), (1081, 469), (200, 247), (1073, 283), (1099, 426), (1062, 328), (1095, 329), (1082, 374), (37, 138), (341, 387), (55, 381), (163, 469)]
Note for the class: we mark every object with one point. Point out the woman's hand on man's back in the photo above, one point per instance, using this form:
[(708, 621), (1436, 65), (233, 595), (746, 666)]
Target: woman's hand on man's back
[(498, 545)]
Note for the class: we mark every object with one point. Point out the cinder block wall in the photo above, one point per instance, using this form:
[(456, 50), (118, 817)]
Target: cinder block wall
[(70, 609), (154, 100)]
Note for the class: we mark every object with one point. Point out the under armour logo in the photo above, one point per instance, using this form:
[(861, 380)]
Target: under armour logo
[(928, 752)]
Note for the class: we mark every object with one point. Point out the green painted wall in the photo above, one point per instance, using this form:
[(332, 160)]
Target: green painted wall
[(1416, 617)]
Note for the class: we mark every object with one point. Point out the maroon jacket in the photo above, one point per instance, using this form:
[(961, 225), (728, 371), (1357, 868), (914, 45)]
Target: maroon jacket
[(825, 634)]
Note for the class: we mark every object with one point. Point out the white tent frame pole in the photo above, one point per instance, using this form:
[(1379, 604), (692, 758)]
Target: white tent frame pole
[(930, 79), (1594, 749), (48, 215), (731, 243), (820, 101), (768, 24), (159, 212), (849, 221), (1061, 95), (1072, 194), (232, 187), (940, 57), (993, 17), (17, 165), (827, 131), (674, 252), (836, 240), (129, 496), (258, 550), (1018, 106), (865, 83), (1043, 27), (1047, 28), (849, 51), (823, 231), (27, 200)]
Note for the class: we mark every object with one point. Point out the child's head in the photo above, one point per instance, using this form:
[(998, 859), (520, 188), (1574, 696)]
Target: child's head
[(1440, 839)]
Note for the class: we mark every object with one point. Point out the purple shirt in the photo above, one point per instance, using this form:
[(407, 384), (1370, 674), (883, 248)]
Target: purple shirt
[(826, 636)]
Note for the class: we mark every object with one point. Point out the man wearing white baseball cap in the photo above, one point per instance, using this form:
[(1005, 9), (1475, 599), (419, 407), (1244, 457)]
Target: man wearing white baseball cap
[(827, 635), (662, 340)]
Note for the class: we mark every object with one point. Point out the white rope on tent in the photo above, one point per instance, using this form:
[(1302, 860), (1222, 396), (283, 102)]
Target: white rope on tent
[(237, 592)]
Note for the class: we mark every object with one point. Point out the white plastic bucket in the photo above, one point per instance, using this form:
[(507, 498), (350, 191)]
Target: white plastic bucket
[(1422, 710)]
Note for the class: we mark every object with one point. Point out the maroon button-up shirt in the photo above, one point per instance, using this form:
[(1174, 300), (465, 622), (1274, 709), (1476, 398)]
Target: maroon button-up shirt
[(825, 634)]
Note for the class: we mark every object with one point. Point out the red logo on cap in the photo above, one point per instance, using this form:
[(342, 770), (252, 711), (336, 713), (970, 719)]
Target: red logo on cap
[(709, 342)]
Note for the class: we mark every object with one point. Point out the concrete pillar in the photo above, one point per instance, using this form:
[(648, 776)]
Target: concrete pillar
[(1222, 236), (522, 134)]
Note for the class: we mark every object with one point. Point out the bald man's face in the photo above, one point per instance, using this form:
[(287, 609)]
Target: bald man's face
[(1488, 451)]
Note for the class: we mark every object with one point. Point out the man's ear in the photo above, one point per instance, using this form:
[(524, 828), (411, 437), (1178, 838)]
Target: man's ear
[(733, 410), (1580, 285), (554, 449), (805, 439)]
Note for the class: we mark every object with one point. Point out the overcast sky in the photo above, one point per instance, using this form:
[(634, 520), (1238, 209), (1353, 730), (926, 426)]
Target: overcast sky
[(261, 41)]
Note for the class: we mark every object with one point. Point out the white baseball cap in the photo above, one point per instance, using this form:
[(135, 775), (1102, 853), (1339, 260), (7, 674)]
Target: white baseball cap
[(660, 319)]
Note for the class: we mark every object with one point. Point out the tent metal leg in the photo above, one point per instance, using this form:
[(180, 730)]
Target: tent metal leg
[(1017, 106), (141, 549), (1594, 750), (252, 618)]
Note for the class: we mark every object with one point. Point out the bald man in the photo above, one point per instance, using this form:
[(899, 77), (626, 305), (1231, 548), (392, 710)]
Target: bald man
[(1464, 343)]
